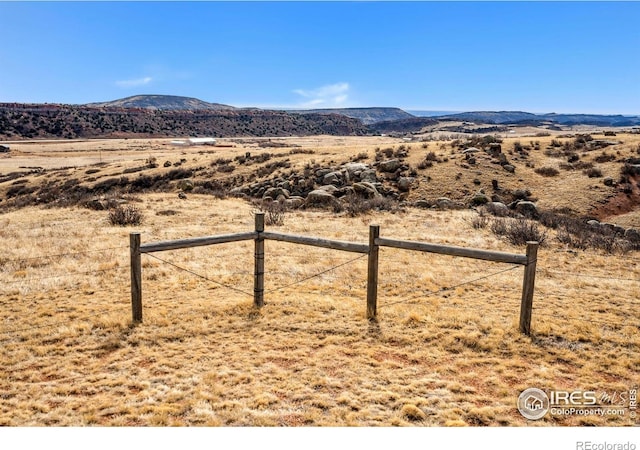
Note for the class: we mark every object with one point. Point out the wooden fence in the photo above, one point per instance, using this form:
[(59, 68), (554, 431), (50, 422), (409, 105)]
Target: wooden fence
[(259, 235)]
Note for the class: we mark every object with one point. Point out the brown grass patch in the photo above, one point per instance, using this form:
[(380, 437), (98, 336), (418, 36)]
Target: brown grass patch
[(204, 356)]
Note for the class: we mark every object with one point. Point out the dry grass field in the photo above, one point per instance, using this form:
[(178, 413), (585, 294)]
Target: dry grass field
[(445, 350)]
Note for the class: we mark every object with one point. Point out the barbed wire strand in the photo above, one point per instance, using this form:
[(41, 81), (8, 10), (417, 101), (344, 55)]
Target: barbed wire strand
[(449, 288), (199, 275), (314, 275)]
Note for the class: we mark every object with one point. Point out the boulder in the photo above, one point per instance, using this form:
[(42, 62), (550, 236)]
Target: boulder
[(390, 165), (613, 228), (320, 173), (276, 192), (522, 194), (355, 168), (498, 208), (509, 168), (97, 204), (285, 185), (480, 198), (365, 189), (632, 234), (617, 229), (331, 189), (527, 209), (320, 197), (334, 178), (444, 203), (405, 183), (185, 185), (294, 202), (368, 176)]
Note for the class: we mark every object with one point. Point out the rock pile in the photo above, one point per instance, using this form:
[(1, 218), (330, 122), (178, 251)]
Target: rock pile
[(325, 186)]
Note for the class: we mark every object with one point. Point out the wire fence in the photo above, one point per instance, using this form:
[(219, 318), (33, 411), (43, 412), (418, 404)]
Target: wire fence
[(548, 297)]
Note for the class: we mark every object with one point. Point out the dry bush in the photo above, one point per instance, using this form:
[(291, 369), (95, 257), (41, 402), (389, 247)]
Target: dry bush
[(518, 231), (605, 157), (356, 205), (593, 172), (578, 234), (125, 215), (479, 222), (547, 171), (275, 213)]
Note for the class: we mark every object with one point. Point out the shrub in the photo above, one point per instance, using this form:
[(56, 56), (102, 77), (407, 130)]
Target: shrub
[(573, 157), (480, 221), (275, 213), (424, 164), (605, 157), (151, 162), (360, 156), (593, 172), (303, 151), (498, 211), (356, 205), (518, 231), (547, 171), (577, 233), (226, 168), (125, 215), (176, 174), (517, 146)]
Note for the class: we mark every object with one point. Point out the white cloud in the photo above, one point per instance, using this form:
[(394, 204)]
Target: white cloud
[(134, 83), (329, 96)]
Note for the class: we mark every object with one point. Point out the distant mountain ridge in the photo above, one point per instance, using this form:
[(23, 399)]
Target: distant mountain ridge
[(48, 121), (367, 116), (525, 118), (162, 102), (167, 115)]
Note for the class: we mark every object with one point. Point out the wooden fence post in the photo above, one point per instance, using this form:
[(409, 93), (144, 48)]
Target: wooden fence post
[(372, 273), (528, 286), (258, 273), (136, 277)]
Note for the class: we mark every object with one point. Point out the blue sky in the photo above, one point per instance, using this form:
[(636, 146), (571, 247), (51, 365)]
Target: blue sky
[(581, 57)]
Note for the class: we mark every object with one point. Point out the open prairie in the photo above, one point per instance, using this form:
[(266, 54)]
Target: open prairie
[(445, 349)]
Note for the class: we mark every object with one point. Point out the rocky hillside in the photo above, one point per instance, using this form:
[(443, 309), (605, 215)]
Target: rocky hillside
[(409, 125), (366, 115), (24, 121), (519, 117), (166, 102)]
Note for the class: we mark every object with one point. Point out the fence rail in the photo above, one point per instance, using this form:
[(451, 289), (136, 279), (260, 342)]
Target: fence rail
[(259, 235)]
